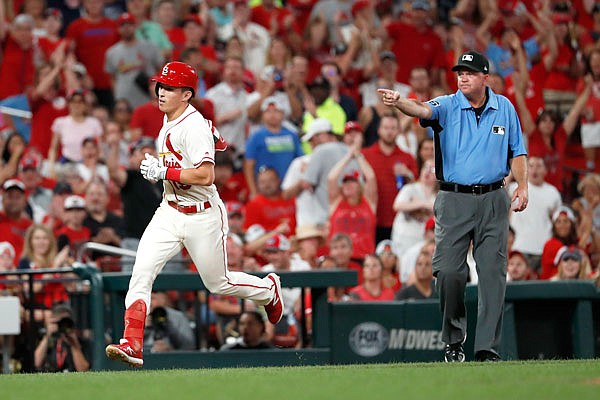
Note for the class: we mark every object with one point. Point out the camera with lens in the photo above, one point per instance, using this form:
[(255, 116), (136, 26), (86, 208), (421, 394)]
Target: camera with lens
[(159, 323), (66, 325)]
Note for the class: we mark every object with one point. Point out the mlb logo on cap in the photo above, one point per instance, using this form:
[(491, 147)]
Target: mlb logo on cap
[(472, 61)]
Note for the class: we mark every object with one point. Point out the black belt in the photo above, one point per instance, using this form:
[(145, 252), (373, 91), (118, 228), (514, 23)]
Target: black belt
[(472, 189)]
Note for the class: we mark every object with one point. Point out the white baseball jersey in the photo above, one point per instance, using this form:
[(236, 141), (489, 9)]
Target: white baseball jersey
[(186, 142)]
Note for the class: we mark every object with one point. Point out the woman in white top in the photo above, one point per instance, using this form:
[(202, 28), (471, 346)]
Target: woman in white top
[(413, 206), (70, 131)]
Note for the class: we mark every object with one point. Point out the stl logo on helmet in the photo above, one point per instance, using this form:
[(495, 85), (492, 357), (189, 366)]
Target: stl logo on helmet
[(165, 70)]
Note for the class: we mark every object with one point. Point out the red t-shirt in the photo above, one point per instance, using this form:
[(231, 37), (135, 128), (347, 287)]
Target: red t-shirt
[(44, 113), (235, 189), (76, 237), (358, 222), (383, 165), (553, 156), (270, 212), (301, 10), (263, 16), (386, 294), (16, 69), (149, 118), (415, 49), (92, 40), (534, 95), (13, 231), (177, 39), (557, 79), (48, 46)]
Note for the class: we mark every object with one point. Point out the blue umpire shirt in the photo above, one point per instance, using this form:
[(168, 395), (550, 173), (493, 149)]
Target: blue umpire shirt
[(469, 152)]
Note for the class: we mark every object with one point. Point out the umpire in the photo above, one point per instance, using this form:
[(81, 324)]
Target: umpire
[(478, 140)]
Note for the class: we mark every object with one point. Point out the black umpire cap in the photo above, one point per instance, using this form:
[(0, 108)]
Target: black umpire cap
[(473, 61)]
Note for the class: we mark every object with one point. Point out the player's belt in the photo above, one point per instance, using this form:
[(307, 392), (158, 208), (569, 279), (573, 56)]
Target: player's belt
[(472, 189), (190, 208)]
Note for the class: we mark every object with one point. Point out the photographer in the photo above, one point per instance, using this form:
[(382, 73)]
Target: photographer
[(61, 349), (167, 329)]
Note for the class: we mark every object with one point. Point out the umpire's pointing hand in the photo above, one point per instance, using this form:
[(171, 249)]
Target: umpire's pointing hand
[(389, 97)]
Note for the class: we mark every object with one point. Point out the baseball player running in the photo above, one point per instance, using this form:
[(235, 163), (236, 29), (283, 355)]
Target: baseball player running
[(191, 214)]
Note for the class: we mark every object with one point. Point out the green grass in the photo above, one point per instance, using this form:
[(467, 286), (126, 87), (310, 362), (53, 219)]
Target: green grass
[(563, 380)]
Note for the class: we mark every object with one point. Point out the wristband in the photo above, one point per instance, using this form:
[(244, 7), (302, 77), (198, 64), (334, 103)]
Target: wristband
[(173, 174)]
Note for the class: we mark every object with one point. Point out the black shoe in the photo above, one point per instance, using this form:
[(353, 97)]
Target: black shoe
[(454, 353), (487, 356)]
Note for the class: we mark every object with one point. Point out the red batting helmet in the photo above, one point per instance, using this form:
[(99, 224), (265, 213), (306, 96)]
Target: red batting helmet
[(178, 74)]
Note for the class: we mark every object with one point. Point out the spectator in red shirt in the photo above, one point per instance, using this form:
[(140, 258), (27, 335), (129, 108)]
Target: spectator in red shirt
[(51, 38), (416, 44), (92, 35), (372, 288), (14, 221), (340, 250), (17, 68), (564, 233), (548, 137), (230, 184), (268, 208), (74, 233), (352, 204), (278, 20), (146, 119), (393, 167)]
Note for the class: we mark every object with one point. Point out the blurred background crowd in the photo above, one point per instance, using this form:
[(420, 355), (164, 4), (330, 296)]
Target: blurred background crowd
[(318, 174)]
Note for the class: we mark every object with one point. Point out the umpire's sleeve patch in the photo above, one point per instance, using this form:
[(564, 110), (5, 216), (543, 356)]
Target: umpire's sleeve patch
[(433, 103)]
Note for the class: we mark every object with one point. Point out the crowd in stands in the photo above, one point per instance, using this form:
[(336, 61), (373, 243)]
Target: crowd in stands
[(318, 174)]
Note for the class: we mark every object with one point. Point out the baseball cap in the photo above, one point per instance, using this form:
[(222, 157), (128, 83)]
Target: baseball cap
[(234, 207), (270, 101), (567, 253), (53, 12), (23, 19), (7, 249), (240, 2), (473, 61), (125, 18), (518, 254), (77, 92), (563, 210), (352, 126), (277, 243), (62, 187), (385, 246), (236, 238), (254, 232), (29, 161), (358, 6), (387, 55), (143, 142), (420, 5), (320, 82), (13, 184), (74, 202), (318, 125), (561, 18), (353, 175)]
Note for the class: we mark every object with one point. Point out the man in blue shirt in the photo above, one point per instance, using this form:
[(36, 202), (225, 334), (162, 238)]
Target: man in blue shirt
[(478, 140), (272, 145)]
